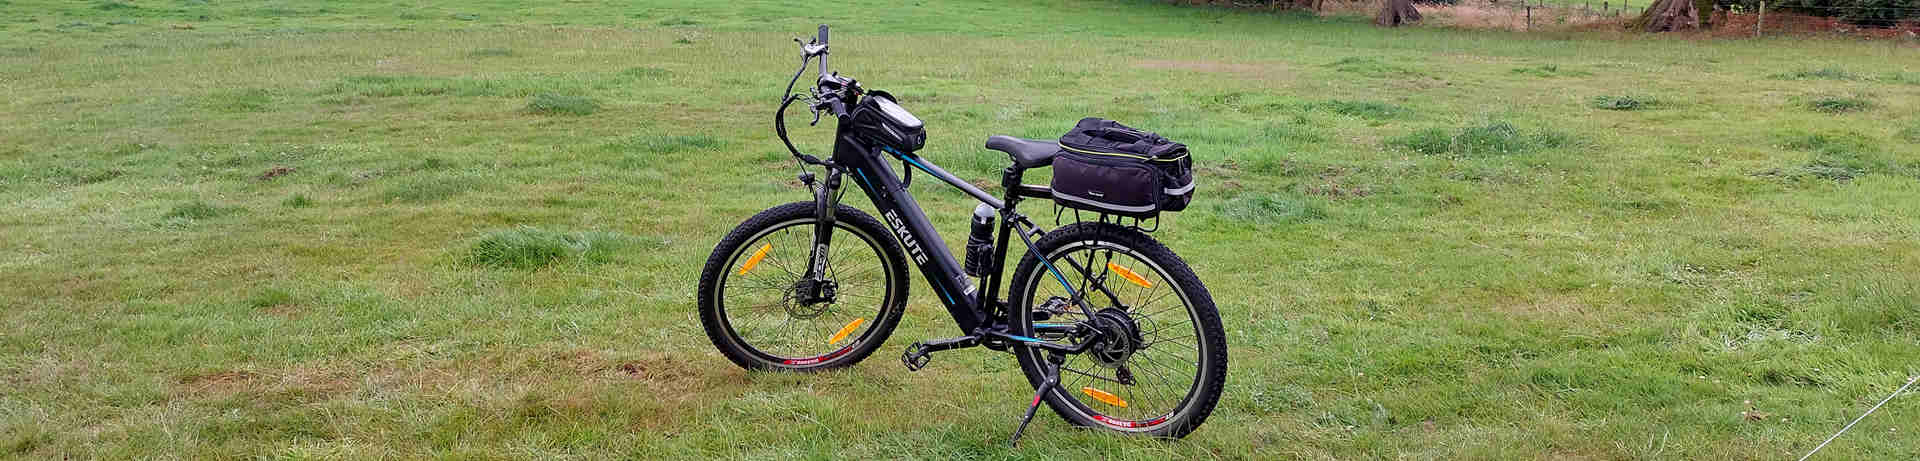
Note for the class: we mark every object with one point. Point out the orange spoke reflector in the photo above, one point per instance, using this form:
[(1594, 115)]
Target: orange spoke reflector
[(1130, 275), (1104, 396), (755, 259), (846, 330)]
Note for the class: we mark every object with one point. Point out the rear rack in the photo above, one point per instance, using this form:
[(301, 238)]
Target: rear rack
[(1060, 211)]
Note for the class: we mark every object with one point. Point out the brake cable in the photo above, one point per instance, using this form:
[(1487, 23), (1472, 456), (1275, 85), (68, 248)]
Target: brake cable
[(780, 119), (780, 127), (906, 171)]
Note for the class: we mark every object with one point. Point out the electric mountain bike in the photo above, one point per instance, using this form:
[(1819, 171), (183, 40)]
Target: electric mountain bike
[(1111, 328)]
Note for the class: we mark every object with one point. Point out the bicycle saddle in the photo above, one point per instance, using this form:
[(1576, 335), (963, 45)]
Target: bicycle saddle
[(1026, 153)]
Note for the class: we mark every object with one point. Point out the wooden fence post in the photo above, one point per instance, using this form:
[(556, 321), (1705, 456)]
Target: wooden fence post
[(1760, 24)]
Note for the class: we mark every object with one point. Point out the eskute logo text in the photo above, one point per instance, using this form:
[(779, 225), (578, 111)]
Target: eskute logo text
[(906, 238)]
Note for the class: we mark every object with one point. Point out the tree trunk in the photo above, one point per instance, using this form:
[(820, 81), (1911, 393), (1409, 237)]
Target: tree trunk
[(1394, 13), (1668, 15)]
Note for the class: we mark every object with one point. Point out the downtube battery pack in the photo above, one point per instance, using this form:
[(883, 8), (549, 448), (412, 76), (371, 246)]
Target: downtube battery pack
[(1111, 168)]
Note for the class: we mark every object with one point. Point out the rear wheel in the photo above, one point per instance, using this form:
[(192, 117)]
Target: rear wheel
[(762, 314), (1160, 362)]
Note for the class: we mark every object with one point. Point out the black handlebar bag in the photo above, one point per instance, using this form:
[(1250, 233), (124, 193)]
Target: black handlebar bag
[(1111, 168)]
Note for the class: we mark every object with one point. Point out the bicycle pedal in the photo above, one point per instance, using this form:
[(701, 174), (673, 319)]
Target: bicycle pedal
[(916, 357)]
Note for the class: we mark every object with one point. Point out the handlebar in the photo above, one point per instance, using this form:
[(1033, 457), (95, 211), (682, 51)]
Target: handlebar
[(831, 92), (823, 50)]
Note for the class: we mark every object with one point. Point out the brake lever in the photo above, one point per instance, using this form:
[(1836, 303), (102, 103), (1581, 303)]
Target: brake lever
[(810, 48), (816, 117)]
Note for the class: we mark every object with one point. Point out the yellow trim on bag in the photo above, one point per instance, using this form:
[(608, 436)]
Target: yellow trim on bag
[(1131, 156)]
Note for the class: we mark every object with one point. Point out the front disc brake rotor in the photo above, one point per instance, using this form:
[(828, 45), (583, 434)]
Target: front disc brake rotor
[(810, 299)]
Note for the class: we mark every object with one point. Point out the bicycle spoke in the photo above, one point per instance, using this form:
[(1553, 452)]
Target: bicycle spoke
[(762, 317), (1156, 314), (1161, 379), (1091, 375), (1150, 358), (1086, 278), (1167, 384), (1149, 373)]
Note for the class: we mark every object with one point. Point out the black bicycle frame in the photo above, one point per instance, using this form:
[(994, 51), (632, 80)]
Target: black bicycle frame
[(976, 312), (868, 166), (918, 238)]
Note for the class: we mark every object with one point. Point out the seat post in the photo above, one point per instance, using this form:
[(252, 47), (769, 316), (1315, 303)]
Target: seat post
[(1010, 183)]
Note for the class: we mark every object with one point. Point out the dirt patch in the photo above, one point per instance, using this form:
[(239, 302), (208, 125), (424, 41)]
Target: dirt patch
[(582, 360), (1512, 16), (218, 382), (1333, 183), (1549, 306), (1263, 71), (276, 172), (666, 371), (659, 371), (85, 287), (283, 310), (1731, 25), (303, 380)]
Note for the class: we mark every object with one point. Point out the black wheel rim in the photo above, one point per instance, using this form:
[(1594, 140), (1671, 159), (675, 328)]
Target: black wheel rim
[(763, 316), (1159, 381)]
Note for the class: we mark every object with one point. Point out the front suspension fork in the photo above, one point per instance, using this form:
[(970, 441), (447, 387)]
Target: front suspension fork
[(826, 198)]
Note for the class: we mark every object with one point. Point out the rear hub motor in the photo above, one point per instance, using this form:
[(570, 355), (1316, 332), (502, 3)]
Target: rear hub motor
[(1119, 337)]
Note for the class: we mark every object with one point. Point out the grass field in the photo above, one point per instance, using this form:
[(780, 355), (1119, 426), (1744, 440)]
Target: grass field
[(472, 230)]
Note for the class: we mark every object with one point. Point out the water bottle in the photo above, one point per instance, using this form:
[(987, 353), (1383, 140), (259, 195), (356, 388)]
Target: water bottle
[(980, 241)]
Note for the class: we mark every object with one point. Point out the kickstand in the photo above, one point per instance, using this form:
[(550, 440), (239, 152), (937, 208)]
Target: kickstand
[(1052, 368)]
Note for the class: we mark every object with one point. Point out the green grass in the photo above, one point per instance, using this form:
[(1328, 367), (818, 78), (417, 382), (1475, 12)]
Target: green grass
[(1372, 67), (1910, 134), (1837, 74), (662, 144), (558, 104), (1847, 155), (490, 53), (1549, 70), (1621, 102), (297, 201), (532, 248), (195, 210), (1828, 73), (443, 273), (1492, 138), (248, 100), (1370, 110), (1271, 209), (1840, 104)]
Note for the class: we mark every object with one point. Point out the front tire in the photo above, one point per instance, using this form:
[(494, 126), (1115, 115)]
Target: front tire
[(748, 300), (1140, 377)]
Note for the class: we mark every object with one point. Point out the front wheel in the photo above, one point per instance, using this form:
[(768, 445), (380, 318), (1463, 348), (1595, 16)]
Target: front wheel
[(762, 314), (1160, 358)]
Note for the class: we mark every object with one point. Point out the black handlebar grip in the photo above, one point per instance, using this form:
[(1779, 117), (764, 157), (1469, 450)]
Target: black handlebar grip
[(823, 50)]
